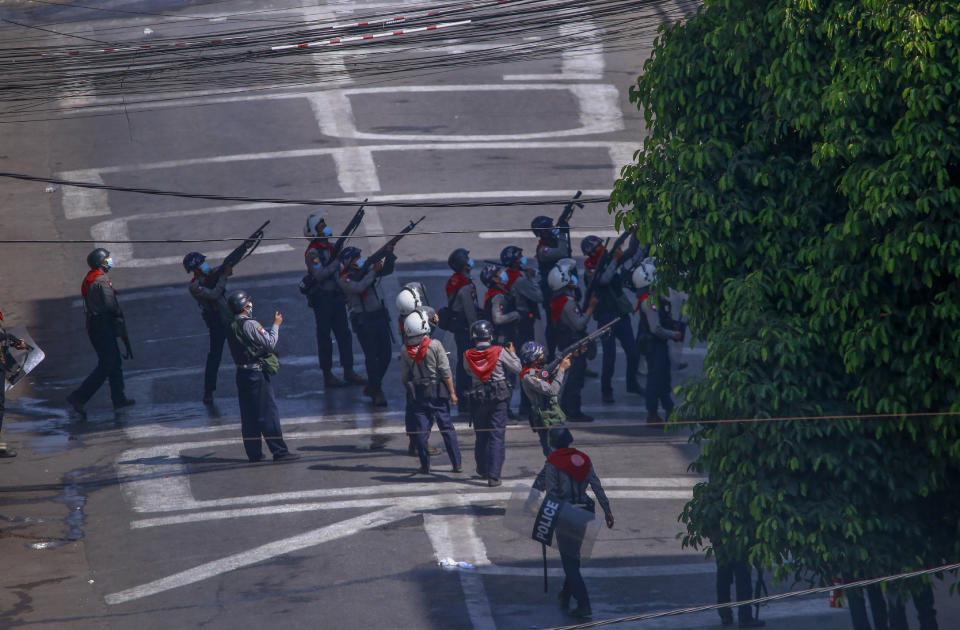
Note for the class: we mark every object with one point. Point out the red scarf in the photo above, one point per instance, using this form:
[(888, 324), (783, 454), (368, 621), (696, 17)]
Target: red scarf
[(419, 350), (544, 374), (556, 307), (483, 362), (571, 461), (640, 301), (490, 293), (89, 279), (591, 263), (456, 282), (316, 245), (512, 275)]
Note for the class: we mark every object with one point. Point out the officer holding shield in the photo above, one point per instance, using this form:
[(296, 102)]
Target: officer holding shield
[(7, 341)]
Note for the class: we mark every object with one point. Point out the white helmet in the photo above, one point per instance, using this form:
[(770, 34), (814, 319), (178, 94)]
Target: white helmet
[(558, 278), (310, 228), (408, 300), (643, 275), (416, 324), (568, 264)]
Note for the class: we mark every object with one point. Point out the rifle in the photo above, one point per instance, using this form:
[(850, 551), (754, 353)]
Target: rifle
[(602, 265), (242, 251), (347, 231), (580, 343), (381, 253), (120, 326), (567, 214)]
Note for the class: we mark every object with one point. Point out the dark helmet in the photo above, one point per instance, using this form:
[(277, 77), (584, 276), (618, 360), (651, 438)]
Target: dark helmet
[(489, 275), (560, 437), (237, 301), (530, 352), (541, 225), (458, 259), (590, 244), (193, 260), (510, 255), (481, 329), (348, 255), (96, 257)]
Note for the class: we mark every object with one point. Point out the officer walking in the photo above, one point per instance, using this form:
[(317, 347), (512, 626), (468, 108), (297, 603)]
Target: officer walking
[(412, 297), (253, 348), (565, 477), (104, 324), (7, 362), (426, 377), (462, 302), (208, 288), (654, 330), (553, 245), (329, 304), (368, 315), (611, 304), (542, 389), (570, 324), (490, 393)]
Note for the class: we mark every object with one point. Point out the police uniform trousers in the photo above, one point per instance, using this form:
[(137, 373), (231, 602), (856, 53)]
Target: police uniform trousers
[(373, 331), (330, 313), (623, 333), (858, 607), (727, 573), (490, 423), (109, 362), (573, 584), (658, 377), (570, 395), (922, 600), (462, 380), (218, 335), (426, 413), (258, 414)]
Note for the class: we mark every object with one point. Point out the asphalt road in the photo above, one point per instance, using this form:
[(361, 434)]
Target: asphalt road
[(152, 517)]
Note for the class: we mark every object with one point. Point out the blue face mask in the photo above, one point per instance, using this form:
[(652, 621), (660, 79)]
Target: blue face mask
[(503, 277), (108, 263), (555, 232), (523, 260), (574, 281), (327, 231), (470, 263), (360, 262), (205, 267)]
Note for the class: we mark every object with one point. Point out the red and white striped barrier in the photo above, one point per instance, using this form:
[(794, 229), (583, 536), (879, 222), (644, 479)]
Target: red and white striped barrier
[(380, 35)]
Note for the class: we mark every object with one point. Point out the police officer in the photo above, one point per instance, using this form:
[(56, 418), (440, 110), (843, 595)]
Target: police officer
[(462, 301), (426, 377), (412, 297), (104, 324), (611, 303), (499, 307), (570, 325), (542, 389), (527, 298), (552, 246), (7, 362), (208, 287), (253, 348), (328, 303), (490, 393), (654, 330), (368, 315), (565, 478)]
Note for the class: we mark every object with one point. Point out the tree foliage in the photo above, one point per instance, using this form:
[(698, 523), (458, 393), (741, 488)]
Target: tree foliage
[(801, 181)]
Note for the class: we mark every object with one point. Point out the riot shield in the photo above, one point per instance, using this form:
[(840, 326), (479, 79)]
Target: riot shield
[(566, 527), (24, 360)]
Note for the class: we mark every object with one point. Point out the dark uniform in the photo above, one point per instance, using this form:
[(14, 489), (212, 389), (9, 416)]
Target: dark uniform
[(329, 305), (423, 368), (370, 321), (549, 251), (258, 409), (570, 324), (104, 323), (216, 316), (462, 300), (656, 327), (490, 394), (612, 303)]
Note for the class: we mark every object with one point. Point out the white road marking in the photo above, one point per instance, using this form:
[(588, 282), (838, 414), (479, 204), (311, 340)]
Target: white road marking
[(582, 61), (81, 203)]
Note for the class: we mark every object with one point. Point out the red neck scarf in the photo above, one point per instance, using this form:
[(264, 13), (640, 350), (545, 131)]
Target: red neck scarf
[(544, 374), (640, 301), (490, 293), (456, 282), (344, 272), (512, 275), (571, 461), (591, 263), (556, 307), (483, 362), (319, 245), (419, 350), (89, 279)]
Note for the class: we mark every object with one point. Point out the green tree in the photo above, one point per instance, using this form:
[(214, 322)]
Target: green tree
[(801, 182)]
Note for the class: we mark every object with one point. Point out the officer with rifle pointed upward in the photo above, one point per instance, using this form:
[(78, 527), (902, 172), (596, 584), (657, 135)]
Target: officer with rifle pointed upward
[(213, 309)]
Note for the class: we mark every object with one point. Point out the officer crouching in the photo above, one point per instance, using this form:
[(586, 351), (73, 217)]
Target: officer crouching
[(428, 381), (489, 396), (253, 348)]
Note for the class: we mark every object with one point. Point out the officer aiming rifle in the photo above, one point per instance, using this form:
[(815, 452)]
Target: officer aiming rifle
[(580, 345), (608, 257), (568, 209), (381, 253), (241, 252), (349, 230)]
